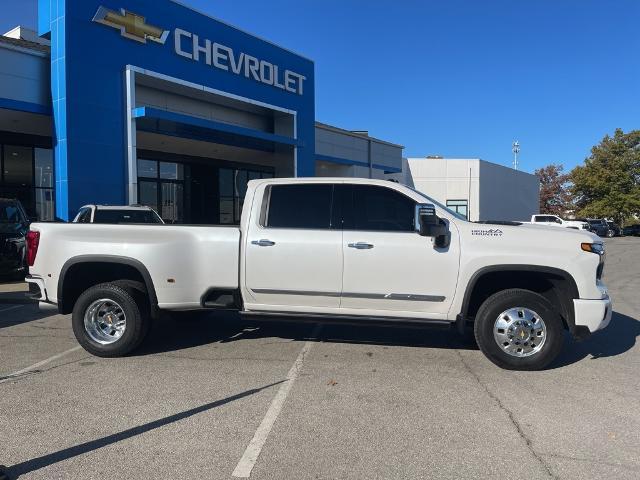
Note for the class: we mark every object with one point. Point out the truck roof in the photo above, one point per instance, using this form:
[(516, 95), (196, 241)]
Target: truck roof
[(366, 181), (117, 207)]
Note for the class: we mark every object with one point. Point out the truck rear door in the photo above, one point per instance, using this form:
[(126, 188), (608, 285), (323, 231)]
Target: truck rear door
[(293, 253)]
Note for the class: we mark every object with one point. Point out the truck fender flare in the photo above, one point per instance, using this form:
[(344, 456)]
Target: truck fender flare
[(572, 287), (131, 262)]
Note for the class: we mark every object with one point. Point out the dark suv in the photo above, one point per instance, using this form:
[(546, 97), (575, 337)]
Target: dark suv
[(14, 225), (632, 230), (599, 226), (615, 230)]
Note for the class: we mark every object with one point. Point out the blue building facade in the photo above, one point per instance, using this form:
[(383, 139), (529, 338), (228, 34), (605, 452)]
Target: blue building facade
[(153, 102)]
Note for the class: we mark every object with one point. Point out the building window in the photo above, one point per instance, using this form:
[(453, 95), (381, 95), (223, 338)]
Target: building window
[(26, 174), (459, 206), (161, 187), (43, 176), (232, 189)]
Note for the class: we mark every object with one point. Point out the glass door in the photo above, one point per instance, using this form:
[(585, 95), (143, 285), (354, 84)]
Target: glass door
[(172, 202), (161, 187)]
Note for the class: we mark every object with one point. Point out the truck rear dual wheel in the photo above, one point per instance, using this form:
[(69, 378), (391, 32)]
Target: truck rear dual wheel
[(519, 330), (110, 319)]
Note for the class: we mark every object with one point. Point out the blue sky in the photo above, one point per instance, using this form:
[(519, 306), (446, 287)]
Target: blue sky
[(459, 78)]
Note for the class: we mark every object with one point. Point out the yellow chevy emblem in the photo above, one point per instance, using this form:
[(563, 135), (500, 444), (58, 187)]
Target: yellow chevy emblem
[(522, 334), (131, 25)]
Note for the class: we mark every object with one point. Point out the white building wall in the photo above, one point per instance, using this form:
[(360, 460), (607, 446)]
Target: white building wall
[(507, 194), (444, 179)]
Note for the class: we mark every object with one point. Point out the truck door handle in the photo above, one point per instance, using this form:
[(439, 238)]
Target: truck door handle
[(263, 243), (361, 245)]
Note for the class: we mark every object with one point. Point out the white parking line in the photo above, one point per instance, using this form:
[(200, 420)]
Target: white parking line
[(39, 364), (10, 308), (251, 454)]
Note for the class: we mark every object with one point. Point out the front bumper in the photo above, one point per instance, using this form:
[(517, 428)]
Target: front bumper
[(593, 314)]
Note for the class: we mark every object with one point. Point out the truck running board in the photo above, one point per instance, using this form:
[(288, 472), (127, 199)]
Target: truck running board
[(346, 319)]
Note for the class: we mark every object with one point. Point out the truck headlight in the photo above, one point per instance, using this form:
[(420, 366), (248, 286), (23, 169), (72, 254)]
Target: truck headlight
[(597, 248)]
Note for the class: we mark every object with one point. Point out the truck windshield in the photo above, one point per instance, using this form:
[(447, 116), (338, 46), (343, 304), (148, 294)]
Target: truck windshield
[(431, 200), (10, 213), (126, 216)]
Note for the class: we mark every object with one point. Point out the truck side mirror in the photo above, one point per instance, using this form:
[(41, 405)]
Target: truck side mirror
[(429, 225)]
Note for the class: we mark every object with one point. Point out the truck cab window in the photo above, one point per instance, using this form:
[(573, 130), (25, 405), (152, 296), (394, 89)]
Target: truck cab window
[(300, 206), (380, 209)]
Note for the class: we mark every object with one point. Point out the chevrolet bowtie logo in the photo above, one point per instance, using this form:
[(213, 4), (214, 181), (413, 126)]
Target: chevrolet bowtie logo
[(131, 25)]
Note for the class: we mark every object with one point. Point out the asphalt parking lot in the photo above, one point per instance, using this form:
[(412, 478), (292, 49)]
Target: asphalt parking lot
[(219, 396)]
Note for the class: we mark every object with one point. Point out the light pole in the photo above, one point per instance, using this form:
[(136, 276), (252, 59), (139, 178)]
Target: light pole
[(515, 148)]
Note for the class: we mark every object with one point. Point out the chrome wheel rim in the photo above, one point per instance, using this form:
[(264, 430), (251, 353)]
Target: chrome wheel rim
[(520, 332), (105, 321)]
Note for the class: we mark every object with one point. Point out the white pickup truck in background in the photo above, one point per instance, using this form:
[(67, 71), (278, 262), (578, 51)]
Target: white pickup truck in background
[(330, 249), (555, 221)]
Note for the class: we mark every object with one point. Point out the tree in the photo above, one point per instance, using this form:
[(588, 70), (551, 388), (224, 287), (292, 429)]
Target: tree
[(555, 198), (608, 184)]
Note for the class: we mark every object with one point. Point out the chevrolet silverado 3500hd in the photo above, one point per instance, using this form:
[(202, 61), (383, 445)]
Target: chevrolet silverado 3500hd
[(330, 249)]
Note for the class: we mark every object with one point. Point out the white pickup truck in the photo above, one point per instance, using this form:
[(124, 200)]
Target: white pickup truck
[(556, 221), (330, 249)]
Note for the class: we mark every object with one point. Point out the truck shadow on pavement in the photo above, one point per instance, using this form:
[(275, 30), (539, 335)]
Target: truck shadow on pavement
[(170, 335), (619, 337), (28, 466)]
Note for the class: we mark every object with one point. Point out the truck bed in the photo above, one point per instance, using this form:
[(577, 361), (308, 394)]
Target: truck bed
[(183, 262)]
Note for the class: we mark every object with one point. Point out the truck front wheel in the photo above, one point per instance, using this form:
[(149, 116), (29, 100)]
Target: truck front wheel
[(519, 330), (108, 321)]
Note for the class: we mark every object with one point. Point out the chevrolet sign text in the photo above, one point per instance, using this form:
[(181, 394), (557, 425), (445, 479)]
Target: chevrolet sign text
[(190, 46)]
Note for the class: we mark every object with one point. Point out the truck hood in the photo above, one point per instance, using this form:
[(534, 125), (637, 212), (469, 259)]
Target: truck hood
[(527, 233)]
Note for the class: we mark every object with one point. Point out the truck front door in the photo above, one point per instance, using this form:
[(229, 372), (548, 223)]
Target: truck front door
[(389, 269)]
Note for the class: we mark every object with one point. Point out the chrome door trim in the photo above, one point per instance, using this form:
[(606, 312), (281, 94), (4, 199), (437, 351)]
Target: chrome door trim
[(396, 296), (272, 291), (374, 296)]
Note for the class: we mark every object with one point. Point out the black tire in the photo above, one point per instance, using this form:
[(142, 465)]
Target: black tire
[(502, 301), (137, 318), (139, 293), (611, 234)]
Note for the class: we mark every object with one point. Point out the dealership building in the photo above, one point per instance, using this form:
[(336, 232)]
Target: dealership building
[(151, 102)]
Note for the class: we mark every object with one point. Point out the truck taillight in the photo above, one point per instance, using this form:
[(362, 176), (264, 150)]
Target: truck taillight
[(33, 242)]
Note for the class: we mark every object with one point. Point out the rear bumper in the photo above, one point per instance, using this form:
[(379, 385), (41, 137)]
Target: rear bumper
[(38, 292), (37, 289), (593, 314)]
